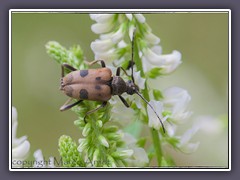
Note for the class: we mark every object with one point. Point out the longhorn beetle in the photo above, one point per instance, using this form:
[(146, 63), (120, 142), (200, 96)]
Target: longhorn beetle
[(98, 85)]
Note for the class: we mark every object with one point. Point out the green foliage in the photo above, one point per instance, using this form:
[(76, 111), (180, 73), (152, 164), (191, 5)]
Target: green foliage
[(73, 56), (157, 94), (101, 143), (154, 73), (69, 153)]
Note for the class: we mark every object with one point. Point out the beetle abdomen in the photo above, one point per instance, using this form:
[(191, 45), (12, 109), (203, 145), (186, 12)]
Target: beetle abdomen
[(88, 91), (88, 76), (89, 84)]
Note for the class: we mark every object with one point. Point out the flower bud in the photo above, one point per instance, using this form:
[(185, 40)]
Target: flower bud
[(103, 141), (86, 129)]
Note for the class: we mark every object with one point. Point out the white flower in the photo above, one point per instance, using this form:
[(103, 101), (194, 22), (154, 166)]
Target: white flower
[(151, 38), (20, 146), (130, 32), (40, 162), (153, 120), (153, 58), (109, 55), (129, 16), (172, 62), (176, 100), (128, 139), (102, 18), (101, 46), (138, 79), (100, 28), (184, 143), (122, 44), (140, 18), (118, 35), (139, 157), (104, 23), (167, 62)]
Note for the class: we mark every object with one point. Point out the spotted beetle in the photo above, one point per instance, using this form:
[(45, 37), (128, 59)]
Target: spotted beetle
[(98, 85)]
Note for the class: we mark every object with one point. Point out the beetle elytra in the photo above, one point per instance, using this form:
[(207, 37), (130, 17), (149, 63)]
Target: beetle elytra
[(98, 85)]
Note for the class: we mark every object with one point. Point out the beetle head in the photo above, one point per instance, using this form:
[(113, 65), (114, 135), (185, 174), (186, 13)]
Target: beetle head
[(131, 87)]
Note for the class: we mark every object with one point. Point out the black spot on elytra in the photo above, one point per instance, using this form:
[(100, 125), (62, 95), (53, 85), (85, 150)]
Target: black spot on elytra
[(97, 87), (83, 94), (98, 78), (83, 73)]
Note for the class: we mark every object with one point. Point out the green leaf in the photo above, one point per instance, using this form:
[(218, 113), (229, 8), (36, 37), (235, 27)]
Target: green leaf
[(168, 162), (173, 141), (154, 72), (141, 142), (157, 94)]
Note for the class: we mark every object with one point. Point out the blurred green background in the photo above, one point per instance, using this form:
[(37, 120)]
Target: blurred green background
[(202, 38)]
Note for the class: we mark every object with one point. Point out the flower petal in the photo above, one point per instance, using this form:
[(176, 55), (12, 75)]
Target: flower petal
[(139, 159), (185, 138), (139, 80), (100, 28), (176, 100), (129, 16), (118, 35), (129, 139), (151, 38), (101, 46), (21, 150), (109, 55), (171, 63), (130, 31), (153, 120), (18, 141), (140, 18), (101, 18), (153, 58), (14, 114)]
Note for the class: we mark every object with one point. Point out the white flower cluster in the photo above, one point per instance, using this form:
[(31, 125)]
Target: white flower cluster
[(175, 101), (111, 45), (137, 155), (40, 162), (20, 146)]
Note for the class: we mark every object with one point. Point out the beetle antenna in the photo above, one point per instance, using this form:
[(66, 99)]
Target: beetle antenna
[(152, 109), (132, 63)]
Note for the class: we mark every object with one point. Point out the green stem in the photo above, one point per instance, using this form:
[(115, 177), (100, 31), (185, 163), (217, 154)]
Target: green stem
[(157, 146), (155, 135)]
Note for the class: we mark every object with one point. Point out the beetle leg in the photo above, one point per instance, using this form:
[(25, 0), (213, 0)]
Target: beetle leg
[(67, 106), (65, 65), (69, 67), (124, 101), (94, 110), (94, 62), (119, 70)]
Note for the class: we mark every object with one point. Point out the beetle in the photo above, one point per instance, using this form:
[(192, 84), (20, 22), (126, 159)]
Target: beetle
[(98, 85)]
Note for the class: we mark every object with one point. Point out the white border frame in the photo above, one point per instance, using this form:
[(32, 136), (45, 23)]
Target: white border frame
[(121, 11)]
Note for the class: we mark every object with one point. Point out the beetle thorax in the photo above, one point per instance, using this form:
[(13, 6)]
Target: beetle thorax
[(118, 85)]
